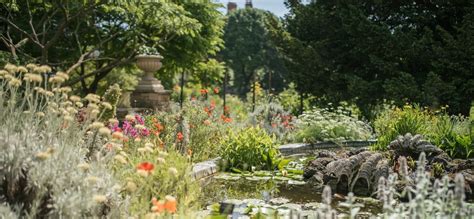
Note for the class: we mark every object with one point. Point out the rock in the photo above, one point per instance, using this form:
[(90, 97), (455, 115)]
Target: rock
[(316, 166), (339, 173), (279, 201), (362, 184), (408, 145)]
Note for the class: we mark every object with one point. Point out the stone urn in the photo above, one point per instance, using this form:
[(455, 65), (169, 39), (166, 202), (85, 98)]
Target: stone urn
[(149, 94)]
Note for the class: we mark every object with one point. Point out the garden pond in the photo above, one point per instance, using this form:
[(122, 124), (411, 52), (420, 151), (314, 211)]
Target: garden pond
[(271, 193)]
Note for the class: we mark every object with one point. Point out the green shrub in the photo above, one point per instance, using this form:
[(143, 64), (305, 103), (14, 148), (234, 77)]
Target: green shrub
[(249, 148), (331, 125), (453, 135), (395, 121)]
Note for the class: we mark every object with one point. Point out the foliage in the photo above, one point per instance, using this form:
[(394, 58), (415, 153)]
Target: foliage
[(453, 135), (331, 124), (248, 149), (112, 96), (290, 100), (88, 39), (52, 165), (398, 121), (169, 174), (249, 51), (450, 133), (272, 118), (426, 199), (378, 50)]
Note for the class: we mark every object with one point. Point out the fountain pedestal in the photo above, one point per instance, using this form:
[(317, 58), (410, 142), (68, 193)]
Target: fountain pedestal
[(149, 95)]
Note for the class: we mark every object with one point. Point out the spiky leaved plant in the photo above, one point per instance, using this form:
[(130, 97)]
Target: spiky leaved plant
[(45, 137)]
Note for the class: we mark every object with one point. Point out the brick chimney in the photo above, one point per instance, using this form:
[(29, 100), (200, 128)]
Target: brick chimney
[(231, 6), (248, 4)]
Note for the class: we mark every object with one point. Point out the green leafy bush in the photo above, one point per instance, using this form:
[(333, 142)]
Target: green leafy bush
[(453, 134), (395, 121), (331, 124), (249, 148)]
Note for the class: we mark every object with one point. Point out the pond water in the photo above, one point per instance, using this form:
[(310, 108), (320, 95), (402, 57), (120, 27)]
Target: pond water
[(274, 189)]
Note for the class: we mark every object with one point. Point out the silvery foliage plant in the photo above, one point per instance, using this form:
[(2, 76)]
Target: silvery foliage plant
[(52, 162), (426, 199)]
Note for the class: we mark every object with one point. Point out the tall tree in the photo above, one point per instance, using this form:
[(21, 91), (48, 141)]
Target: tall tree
[(250, 50), (367, 51)]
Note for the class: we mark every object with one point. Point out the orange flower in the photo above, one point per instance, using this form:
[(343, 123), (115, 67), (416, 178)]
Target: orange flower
[(204, 92), (216, 90), (146, 166), (158, 206), (180, 136), (170, 204), (190, 152), (226, 119), (207, 122)]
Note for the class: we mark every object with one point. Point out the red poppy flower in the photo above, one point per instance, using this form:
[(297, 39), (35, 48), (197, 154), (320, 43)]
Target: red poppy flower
[(180, 136), (216, 90), (147, 166)]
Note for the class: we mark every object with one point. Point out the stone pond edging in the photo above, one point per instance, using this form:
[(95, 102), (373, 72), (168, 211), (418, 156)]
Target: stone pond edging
[(208, 168)]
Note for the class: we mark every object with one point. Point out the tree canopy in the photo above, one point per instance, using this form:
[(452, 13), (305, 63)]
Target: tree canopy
[(250, 52), (88, 39), (367, 51)]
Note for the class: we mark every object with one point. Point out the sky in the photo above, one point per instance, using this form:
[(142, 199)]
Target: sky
[(275, 6)]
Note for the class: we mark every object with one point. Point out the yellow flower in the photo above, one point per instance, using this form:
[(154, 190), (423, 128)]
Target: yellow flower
[(79, 104), (31, 66), (107, 105), (96, 125), (120, 159), (93, 98), (33, 78), (40, 114), (42, 155), (22, 69), (131, 186), (104, 131), (143, 173), (75, 98), (140, 127), (150, 145), (63, 75), (11, 68), (173, 171), (14, 82), (83, 166), (130, 118), (113, 121), (56, 80), (161, 160), (92, 179), (99, 198), (65, 89)]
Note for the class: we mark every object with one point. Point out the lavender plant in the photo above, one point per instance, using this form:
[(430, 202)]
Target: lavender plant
[(52, 160)]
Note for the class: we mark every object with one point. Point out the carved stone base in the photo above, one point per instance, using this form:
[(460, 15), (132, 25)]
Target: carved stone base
[(159, 101)]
